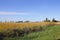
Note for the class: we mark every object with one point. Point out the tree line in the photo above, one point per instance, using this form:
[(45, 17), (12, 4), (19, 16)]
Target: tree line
[(53, 20)]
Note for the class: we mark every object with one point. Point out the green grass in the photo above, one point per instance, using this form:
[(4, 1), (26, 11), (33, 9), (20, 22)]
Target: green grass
[(49, 33)]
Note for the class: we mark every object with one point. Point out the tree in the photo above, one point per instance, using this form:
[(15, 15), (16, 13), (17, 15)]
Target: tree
[(19, 22), (53, 20), (46, 20), (27, 21)]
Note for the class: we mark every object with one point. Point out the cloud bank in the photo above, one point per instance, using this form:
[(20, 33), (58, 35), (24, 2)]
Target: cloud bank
[(13, 13)]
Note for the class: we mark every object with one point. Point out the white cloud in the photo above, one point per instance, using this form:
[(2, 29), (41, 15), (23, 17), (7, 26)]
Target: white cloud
[(13, 13)]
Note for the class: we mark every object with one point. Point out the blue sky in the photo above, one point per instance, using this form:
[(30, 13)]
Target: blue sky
[(33, 10)]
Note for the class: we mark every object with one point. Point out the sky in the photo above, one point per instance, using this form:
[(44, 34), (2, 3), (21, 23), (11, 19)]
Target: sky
[(33, 10)]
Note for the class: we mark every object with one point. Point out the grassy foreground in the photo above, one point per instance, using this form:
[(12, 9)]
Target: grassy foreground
[(49, 33)]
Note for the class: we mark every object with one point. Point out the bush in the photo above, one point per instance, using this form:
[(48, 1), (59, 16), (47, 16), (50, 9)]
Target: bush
[(1, 36), (18, 33)]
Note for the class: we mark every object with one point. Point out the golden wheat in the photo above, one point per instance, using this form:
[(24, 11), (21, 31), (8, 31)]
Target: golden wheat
[(10, 25)]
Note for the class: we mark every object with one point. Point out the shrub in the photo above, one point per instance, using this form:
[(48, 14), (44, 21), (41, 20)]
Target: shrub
[(37, 29), (1, 36), (18, 33)]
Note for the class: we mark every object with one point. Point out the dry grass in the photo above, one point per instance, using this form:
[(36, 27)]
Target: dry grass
[(10, 25)]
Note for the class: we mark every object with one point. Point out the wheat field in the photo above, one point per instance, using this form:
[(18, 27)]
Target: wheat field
[(13, 25)]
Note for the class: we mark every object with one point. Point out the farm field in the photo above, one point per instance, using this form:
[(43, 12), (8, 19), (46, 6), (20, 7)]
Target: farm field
[(29, 31), (11, 25)]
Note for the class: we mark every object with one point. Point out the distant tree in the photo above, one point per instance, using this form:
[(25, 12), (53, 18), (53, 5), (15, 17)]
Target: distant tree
[(19, 22), (46, 20), (11, 21), (53, 20), (27, 21)]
